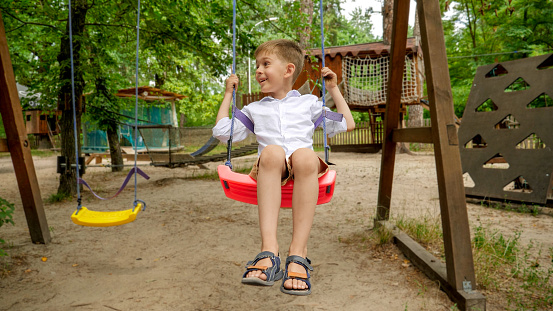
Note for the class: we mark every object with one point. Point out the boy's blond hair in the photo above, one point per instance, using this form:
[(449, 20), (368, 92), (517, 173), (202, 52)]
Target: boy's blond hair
[(286, 50)]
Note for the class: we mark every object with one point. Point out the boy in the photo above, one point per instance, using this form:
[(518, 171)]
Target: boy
[(283, 125)]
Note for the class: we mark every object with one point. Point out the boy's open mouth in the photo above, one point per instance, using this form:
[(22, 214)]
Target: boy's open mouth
[(261, 81)]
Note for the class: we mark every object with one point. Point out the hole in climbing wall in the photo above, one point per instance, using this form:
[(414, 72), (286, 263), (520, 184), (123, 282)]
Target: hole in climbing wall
[(476, 142), (548, 63), (496, 162), (497, 71), (518, 184), (542, 101), (467, 180), (518, 85), (488, 105), (508, 123), (531, 142)]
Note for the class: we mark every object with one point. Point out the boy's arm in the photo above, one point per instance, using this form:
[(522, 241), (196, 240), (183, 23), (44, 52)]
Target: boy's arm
[(331, 82), (231, 83)]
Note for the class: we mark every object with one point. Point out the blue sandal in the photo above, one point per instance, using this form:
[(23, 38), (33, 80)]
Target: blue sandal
[(304, 277), (273, 273)]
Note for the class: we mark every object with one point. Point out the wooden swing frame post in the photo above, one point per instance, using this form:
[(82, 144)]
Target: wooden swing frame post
[(456, 276), (18, 146)]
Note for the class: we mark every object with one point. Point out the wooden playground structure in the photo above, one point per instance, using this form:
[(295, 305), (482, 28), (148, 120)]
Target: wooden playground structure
[(507, 133), (456, 276)]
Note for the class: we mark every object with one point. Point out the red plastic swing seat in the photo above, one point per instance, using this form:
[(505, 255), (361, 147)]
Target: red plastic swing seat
[(243, 188)]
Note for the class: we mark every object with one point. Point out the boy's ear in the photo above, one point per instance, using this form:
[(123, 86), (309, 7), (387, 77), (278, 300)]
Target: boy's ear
[(290, 69)]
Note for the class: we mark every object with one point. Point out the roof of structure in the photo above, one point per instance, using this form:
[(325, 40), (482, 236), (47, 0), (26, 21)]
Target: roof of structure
[(149, 93), (372, 49)]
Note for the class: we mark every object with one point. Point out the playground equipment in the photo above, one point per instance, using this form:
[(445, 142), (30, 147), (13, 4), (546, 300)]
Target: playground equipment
[(363, 73), (507, 132), (19, 147), (363, 70), (159, 110), (242, 187), (82, 215), (176, 157), (456, 277)]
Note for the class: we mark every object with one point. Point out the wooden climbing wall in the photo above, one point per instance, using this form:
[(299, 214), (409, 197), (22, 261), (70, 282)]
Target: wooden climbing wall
[(506, 134)]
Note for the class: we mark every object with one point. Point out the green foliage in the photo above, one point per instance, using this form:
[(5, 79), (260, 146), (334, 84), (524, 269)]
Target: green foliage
[(6, 217), (339, 30), (480, 33)]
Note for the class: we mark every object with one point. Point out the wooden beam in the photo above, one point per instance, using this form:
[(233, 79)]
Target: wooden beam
[(413, 135), (4, 145), (395, 83), (10, 109), (457, 246), (435, 270)]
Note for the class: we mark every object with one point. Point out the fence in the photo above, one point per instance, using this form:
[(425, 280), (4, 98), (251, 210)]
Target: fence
[(364, 133)]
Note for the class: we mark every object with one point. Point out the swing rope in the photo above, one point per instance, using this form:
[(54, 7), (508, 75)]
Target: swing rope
[(135, 169), (326, 147), (238, 114), (229, 144), (79, 201)]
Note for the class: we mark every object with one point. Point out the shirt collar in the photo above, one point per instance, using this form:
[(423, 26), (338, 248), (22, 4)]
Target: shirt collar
[(292, 93)]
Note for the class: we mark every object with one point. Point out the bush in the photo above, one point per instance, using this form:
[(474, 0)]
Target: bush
[(6, 216)]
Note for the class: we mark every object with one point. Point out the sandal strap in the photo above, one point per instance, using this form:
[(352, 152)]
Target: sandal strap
[(305, 262), (265, 254), (270, 272)]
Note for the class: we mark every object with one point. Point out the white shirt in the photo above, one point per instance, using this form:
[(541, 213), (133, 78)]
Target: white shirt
[(288, 122)]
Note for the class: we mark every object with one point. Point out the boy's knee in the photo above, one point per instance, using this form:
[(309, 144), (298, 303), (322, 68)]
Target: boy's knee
[(305, 161), (272, 156)]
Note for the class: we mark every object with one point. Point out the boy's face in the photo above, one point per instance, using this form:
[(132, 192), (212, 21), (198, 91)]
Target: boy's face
[(272, 72)]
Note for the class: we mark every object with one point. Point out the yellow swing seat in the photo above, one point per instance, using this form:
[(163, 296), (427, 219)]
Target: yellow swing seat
[(86, 217)]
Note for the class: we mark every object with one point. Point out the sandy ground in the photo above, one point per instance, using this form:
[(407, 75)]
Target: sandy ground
[(188, 249)]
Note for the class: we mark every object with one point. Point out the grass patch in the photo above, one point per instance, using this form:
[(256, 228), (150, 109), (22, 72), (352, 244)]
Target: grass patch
[(42, 153), (503, 264), (426, 230), (521, 275), (513, 207), (58, 197), (6, 217)]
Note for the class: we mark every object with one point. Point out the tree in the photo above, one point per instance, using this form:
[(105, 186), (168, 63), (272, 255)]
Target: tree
[(305, 32), (68, 181), (104, 41)]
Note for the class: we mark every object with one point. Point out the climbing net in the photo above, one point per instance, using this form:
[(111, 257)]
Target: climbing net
[(366, 80)]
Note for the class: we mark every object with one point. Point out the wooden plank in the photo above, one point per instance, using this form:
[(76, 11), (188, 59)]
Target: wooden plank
[(10, 109), (4, 145), (358, 148), (413, 135), (435, 270), (395, 83), (458, 253)]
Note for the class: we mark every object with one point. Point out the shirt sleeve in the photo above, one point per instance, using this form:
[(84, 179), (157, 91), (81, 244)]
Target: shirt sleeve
[(221, 130), (332, 127)]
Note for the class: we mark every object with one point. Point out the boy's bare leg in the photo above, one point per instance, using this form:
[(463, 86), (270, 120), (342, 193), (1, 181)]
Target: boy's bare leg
[(305, 167), (272, 166)]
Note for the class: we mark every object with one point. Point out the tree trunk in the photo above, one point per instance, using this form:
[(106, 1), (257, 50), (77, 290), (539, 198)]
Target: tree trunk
[(305, 32), (387, 20), (114, 149), (416, 112), (68, 181)]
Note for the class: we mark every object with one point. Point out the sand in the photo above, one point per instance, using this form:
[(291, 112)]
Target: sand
[(187, 251)]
